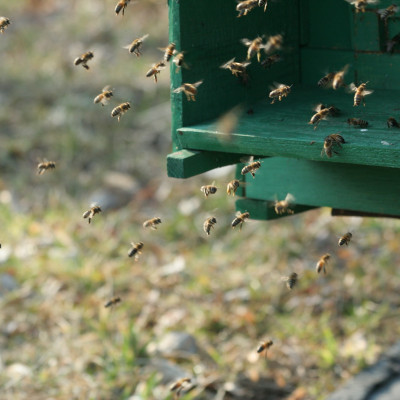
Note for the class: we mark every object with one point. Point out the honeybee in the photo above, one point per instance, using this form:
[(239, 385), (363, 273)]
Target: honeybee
[(392, 42), (329, 143), (236, 68), (209, 189), (263, 3), (321, 264), (232, 187), (136, 250), (112, 302), (273, 43), (392, 123), (104, 96), (152, 223), (83, 59), (135, 46), (264, 346), (44, 166), (208, 224), (240, 218), (254, 47), (252, 168), (280, 92), (169, 51), (121, 6), (4, 22), (321, 113), (326, 80), (360, 94), (155, 70), (190, 90), (345, 239), (244, 7), (283, 206), (120, 110), (179, 385), (291, 280), (357, 122), (360, 5), (333, 111), (93, 210), (385, 13), (271, 60), (338, 80), (178, 61)]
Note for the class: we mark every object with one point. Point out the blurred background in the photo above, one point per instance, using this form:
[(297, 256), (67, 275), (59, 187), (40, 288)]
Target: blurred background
[(192, 305)]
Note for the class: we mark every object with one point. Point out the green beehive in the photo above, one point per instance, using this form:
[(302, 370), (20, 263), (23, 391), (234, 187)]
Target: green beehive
[(319, 36)]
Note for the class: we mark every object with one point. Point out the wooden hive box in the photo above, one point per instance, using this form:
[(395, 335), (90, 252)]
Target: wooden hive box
[(319, 36)]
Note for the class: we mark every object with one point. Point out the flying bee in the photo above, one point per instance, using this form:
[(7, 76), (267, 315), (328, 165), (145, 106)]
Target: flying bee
[(263, 3), (209, 189), (360, 5), (321, 114), (271, 60), (236, 68), (4, 22), (244, 7), (264, 346), (345, 239), (232, 187), (333, 111), (152, 223), (135, 46), (392, 123), (392, 42), (178, 61), (321, 264), (121, 6), (338, 80), (252, 168), (273, 43), (93, 210), (291, 280), (190, 90), (240, 218), (208, 224), (385, 13), (179, 385), (104, 96), (357, 122), (330, 142), (155, 70), (360, 93), (112, 302), (326, 80), (283, 206), (169, 51), (136, 250), (44, 166), (279, 92), (120, 110), (83, 59), (254, 47)]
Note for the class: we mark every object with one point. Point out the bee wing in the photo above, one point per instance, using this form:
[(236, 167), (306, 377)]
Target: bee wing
[(318, 107), (352, 87), (144, 37), (227, 64), (367, 92), (290, 198), (246, 64), (178, 90), (247, 159), (246, 42), (352, 1), (197, 84), (106, 88), (128, 46)]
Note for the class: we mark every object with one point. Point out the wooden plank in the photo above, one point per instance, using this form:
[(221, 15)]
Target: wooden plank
[(185, 163)]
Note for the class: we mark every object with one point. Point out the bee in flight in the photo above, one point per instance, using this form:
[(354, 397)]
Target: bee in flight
[(271, 60), (237, 68), (112, 302), (360, 5), (120, 110), (321, 113), (121, 5), (321, 264), (209, 189), (264, 346), (273, 43), (326, 80), (330, 142), (279, 92), (152, 223), (345, 239), (283, 206), (254, 47), (136, 250), (385, 13), (263, 3), (338, 78), (357, 122), (291, 280), (179, 385), (169, 51), (239, 219), (392, 123), (135, 46), (208, 224), (4, 22), (44, 166), (392, 42), (83, 59), (360, 93), (232, 187), (93, 210), (252, 168), (244, 7), (190, 90), (105, 96), (179, 61), (155, 70)]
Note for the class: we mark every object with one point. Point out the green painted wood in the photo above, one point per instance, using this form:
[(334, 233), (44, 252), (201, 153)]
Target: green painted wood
[(366, 28), (186, 163), (359, 188), (264, 210)]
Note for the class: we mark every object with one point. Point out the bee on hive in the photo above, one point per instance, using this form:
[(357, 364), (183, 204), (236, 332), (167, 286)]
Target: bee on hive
[(45, 166), (392, 123), (279, 92), (321, 114), (112, 302), (104, 96), (360, 5), (290, 280), (121, 5), (155, 70), (208, 224), (283, 206), (264, 346), (93, 210), (190, 90), (345, 239), (152, 223), (135, 46), (254, 47), (240, 219), (385, 13), (360, 93), (120, 110), (330, 142), (271, 60), (179, 385), (4, 22), (169, 51), (244, 7), (237, 68), (83, 59), (232, 187), (136, 250), (357, 122), (209, 189), (321, 264)]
